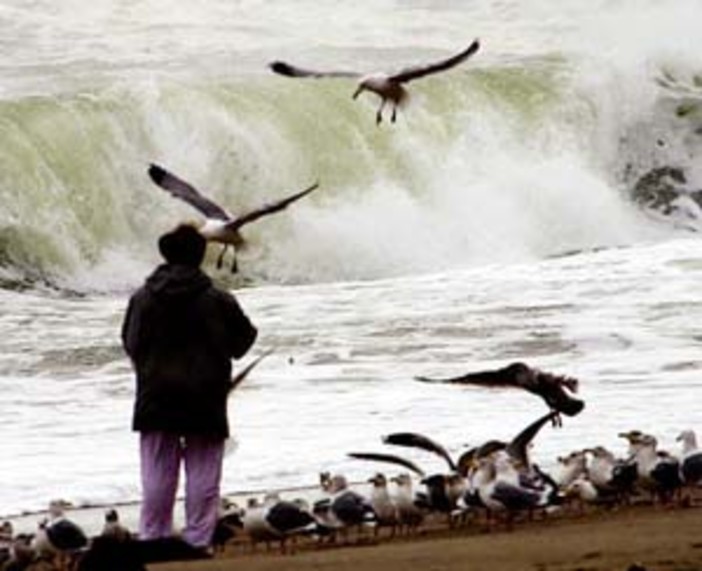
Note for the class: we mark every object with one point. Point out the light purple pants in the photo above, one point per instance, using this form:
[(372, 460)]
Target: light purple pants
[(161, 456)]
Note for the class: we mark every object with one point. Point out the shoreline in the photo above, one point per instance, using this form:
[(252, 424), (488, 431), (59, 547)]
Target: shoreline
[(90, 517), (657, 538)]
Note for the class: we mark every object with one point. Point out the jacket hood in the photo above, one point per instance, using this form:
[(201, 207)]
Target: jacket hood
[(173, 281)]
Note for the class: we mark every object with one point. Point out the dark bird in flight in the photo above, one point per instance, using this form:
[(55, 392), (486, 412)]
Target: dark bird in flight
[(219, 226), (388, 86), (553, 389)]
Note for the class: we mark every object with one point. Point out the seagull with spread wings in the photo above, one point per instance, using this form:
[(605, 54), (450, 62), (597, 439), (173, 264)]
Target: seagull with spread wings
[(219, 226), (389, 86)]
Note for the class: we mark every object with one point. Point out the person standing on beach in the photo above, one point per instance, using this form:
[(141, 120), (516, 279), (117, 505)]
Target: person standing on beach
[(181, 334)]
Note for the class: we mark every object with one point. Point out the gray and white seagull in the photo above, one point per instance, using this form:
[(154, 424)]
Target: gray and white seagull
[(388, 86), (220, 226)]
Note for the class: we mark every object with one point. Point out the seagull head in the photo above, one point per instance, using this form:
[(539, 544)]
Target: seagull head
[(378, 480), (57, 508), (380, 84), (633, 436), (402, 480)]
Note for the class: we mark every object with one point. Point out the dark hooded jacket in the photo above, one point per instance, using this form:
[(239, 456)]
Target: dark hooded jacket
[(181, 334)]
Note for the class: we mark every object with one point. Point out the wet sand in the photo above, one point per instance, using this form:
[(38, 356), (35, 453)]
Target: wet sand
[(657, 538)]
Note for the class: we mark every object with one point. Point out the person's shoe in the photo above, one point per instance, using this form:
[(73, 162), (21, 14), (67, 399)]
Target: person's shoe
[(170, 549), (203, 552)]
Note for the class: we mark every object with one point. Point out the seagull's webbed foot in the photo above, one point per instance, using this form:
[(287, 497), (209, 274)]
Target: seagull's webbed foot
[(220, 258)]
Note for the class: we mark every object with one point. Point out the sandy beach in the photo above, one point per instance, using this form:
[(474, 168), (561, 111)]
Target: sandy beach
[(655, 538)]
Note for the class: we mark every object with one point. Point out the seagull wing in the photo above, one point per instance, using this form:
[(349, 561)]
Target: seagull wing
[(489, 447), (517, 448), (241, 375), (492, 379), (416, 72), (514, 497), (289, 70), (269, 208), (287, 517), (420, 441), (391, 458), (181, 189), (65, 535)]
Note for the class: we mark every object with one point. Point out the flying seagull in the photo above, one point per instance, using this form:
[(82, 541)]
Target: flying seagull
[(388, 86), (553, 389), (219, 226)]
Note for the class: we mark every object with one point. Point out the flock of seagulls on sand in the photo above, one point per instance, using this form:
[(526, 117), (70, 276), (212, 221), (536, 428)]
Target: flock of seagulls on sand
[(224, 228), (495, 483)]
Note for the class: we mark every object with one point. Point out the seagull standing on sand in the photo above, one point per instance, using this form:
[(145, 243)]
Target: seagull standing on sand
[(611, 475), (571, 468), (388, 86), (344, 509), (658, 471), (500, 488), (113, 527), (382, 503), (277, 520), (219, 226), (691, 459), (58, 536), (410, 512)]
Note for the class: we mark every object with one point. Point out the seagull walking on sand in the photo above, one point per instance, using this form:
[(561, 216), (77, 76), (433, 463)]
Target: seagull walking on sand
[(388, 86), (411, 505), (58, 536), (220, 226), (113, 527)]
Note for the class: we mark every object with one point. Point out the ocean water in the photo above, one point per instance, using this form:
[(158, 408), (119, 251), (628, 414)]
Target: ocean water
[(492, 223)]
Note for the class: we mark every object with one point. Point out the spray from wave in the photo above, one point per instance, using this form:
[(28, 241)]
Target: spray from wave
[(514, 158)]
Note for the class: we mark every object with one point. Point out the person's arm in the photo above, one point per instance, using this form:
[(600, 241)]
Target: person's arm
[(133, 327), (242, 332), (129, 337)]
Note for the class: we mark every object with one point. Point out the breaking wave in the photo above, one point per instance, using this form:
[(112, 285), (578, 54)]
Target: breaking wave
[(502, 160)]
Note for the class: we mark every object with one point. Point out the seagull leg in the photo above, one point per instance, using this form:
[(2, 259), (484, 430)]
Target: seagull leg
[(220, 259), (556, 421), (379, 113), (235, 264), (394, 114)]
